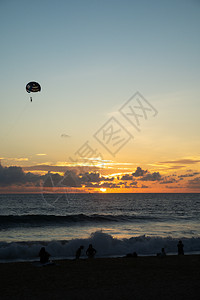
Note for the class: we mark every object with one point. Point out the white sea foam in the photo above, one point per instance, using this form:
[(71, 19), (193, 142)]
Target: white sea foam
[(105, 244)]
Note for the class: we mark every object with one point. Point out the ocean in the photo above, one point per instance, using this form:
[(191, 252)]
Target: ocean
[(115, 224)]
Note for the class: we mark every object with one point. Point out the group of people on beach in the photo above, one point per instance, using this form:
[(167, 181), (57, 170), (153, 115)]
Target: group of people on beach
[(180, 250), (44, 255), (91, 252), (162, 253)]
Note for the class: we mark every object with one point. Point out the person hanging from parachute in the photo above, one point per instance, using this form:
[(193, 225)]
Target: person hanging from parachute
[(33, 87)]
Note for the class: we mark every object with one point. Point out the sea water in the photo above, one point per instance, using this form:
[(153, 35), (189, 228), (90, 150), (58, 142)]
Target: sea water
[(116, 224)]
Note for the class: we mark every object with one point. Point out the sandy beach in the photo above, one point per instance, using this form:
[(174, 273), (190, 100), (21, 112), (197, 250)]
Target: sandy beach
[(172, 277)]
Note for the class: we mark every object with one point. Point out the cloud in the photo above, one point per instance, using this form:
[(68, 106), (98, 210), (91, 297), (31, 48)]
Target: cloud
[(72, 177), (41, 154), (139, 172), (152, 177), (109, 185), (189, 175), (181, 161), (143, 175), (173, 187), (64, 135), (21, 159), (194, 183), (52, 180), (57, 168), (169, 180), (144, 186), (175, 167), (15, 159), (93, 177), (90, 177), (15, 175), (133, 183), (127, 177)]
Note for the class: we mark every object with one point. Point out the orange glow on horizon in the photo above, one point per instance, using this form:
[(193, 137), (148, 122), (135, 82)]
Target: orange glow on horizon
[(62, 190)]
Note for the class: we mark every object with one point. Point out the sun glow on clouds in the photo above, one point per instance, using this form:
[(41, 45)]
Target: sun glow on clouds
[(17, 159), (94, 162), (9, 160), (163, 176)]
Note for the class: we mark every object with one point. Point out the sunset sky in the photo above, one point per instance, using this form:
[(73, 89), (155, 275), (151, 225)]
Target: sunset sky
[(120, 100)]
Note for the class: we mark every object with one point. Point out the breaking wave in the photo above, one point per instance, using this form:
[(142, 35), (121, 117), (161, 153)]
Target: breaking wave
[(105, 244), (38, 220)]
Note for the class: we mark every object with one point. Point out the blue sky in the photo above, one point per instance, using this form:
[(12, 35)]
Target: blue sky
[(90, 57)]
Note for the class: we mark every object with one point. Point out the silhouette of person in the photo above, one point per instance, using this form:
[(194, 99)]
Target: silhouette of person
[(134, 254), (44, 256), (162, 253), (78, 252), (180, 248), (91, 251)]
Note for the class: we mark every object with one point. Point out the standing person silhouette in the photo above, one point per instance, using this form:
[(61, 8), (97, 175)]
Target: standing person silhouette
[(91, 251), (180, 248), (78, 252)]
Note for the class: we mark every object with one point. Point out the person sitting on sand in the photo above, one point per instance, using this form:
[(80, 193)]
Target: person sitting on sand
[(134, 254), (91, 251), (44, 256), (180, 248), (78, 252)]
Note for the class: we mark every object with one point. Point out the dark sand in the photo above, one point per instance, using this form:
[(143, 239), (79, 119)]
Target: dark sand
[(171, 278)]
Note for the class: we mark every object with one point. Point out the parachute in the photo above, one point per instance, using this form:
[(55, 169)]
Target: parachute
[(33, 87)]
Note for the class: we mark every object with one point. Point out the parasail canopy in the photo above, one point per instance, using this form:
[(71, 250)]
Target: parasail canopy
[(33, 87)]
